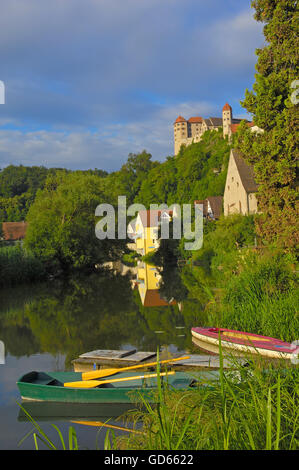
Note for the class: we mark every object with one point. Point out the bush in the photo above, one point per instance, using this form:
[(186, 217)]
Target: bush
[(19, 266), (263, 298)]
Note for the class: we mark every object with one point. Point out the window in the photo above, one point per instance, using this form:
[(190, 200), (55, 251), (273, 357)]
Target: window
[(237, 184), (228, 188), (232, 178)]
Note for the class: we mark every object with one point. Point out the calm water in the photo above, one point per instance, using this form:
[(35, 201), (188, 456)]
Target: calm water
[(46, 326)]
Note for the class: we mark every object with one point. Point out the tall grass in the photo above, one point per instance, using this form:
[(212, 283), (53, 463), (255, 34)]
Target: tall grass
[(258, 412), (18, 266), (263, 298), (248, 408), (39, 435)]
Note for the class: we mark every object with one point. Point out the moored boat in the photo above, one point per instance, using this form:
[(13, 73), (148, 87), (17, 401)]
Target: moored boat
[(241, 343), (49, 386)]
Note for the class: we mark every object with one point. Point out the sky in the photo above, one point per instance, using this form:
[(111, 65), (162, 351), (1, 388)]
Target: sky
[(88, 82)]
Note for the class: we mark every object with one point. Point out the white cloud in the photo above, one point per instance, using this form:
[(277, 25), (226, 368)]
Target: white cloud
[(123, 68), (107, 148)]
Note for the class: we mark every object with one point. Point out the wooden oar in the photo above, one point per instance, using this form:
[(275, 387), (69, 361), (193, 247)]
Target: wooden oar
[(97, 374), (100, 424), (95, 383)]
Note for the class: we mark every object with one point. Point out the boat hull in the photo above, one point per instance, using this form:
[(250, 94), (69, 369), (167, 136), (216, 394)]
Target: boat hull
[(240, 343), (40, 386)]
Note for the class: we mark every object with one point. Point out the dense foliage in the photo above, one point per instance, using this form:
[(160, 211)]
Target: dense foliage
[(19, 185), (61, 223), (274, 152), (198, 171)]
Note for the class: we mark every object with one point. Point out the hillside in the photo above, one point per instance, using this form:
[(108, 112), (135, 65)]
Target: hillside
[(198, 171)]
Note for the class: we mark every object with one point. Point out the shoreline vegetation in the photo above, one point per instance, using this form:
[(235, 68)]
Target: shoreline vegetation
[(249, 408)]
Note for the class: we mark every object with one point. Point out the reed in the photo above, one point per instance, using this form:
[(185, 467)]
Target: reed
[(18, 266), (253, 408), (39, 435)]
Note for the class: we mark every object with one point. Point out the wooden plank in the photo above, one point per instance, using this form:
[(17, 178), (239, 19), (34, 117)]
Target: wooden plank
[(138, 356), (107, 354), (197, 360)]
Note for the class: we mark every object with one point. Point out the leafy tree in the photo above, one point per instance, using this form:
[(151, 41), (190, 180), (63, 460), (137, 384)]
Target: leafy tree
[(127, 181), (160, 185), (274, 152), (19, 185), (62, 222)]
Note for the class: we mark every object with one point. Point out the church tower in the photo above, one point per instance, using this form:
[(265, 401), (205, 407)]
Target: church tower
[(227, 119)]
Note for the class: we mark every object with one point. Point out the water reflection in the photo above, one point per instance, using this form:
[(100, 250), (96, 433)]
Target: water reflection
[(96, 312), (46, 326)]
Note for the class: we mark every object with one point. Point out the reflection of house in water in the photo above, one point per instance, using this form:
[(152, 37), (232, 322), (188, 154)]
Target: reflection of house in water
[(148, 281), (146, 230)]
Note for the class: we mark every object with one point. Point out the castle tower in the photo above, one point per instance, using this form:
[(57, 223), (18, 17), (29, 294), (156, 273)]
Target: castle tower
[(180, 133), (227, 119)]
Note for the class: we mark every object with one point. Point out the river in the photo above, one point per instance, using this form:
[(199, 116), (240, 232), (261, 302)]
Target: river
[(45, 326)]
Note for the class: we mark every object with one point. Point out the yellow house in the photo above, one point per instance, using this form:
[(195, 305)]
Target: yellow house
[(146, 234), (147, 229)]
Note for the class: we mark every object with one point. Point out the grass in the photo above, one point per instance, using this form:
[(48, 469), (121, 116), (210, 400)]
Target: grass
[(259, 412), (40, 436), (248, 408)]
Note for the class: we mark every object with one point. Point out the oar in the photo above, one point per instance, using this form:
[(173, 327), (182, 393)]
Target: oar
[(97, 374), (100, 424), (95, 383)]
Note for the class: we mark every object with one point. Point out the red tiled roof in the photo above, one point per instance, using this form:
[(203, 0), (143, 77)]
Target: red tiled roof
[(180, 119), (150, 218), (234, 127), (14, 230), (227, 107), (195, 119)]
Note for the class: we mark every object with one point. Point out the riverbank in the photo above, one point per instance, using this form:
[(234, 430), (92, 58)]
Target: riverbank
[(253, 409)]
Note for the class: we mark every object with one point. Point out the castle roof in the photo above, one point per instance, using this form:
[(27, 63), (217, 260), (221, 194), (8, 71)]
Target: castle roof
[(195, 119), (180, 119), (215, 121), (227, 107), (235, 125)]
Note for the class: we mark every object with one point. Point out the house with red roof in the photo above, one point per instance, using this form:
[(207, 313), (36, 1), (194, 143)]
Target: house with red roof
[(14, 231)]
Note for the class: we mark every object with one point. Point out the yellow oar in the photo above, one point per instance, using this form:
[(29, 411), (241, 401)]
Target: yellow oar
[(97, 374), (95, 383), (100, 424)]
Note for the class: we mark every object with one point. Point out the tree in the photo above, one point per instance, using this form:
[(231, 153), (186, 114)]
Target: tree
[(127, 181), (62, 221), (274, 152)]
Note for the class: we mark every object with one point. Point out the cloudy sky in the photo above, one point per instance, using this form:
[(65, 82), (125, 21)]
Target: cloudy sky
[(89, 81)]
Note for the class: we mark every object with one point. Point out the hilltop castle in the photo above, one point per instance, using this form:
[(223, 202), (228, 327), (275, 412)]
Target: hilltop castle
[(186, 132)]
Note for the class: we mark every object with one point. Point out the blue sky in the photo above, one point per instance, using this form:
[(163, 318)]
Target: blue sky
[(88, 82)]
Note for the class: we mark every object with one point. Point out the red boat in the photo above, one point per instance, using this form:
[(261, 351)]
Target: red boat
[(240, 343)]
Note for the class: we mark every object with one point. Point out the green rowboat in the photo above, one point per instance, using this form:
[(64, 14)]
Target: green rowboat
[(49, 387)]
